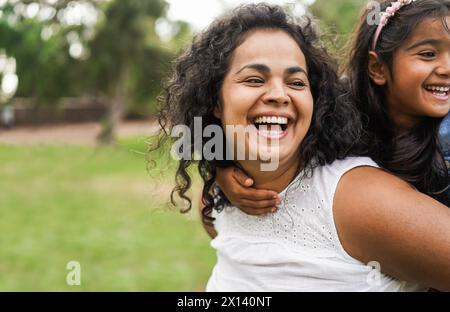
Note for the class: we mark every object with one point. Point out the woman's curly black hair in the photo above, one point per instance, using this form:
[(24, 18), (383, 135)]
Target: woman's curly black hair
[(414, 155), (194, 87)]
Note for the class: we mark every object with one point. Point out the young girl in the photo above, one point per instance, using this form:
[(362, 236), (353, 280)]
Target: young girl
[(400, 80)]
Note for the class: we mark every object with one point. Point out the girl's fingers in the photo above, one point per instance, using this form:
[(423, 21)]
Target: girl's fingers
[(257, 195), (224, 176), (242, 178), (260, 204)]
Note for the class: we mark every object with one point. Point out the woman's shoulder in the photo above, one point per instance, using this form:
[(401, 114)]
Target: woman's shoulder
[(381, 217), (351, 162), (329, 175), (342, 165)]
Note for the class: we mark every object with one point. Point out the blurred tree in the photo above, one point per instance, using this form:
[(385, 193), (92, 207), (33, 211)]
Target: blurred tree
[(90, 47), (338, 19), (42, 65), (127, 58)]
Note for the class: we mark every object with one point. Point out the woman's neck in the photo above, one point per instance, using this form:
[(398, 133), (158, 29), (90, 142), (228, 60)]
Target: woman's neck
[(276, 180)]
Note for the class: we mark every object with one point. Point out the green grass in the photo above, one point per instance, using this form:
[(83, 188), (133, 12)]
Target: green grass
[(100, 207)]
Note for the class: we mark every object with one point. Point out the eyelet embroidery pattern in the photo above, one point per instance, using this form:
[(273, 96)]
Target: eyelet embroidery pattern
[(301, 222)]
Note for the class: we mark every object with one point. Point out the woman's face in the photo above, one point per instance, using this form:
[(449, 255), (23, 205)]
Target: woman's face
[(267, 91), (419, 82)]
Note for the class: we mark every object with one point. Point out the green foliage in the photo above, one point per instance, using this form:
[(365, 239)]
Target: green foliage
[(125, 57), (44, 71), (126, 44), (338, 19)]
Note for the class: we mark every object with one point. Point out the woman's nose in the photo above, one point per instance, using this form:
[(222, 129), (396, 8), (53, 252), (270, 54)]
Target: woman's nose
[(277, 95)]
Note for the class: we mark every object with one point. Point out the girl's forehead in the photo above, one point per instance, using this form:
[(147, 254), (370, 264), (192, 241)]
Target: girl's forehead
[(431, 27)]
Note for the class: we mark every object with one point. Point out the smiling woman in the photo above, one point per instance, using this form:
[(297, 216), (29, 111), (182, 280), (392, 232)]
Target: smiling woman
[(258, 69), (231, 76), (255, 67), (267, 87)]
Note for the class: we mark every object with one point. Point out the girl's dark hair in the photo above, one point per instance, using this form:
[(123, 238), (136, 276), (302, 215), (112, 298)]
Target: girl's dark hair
[(193, 91), (414, 155)]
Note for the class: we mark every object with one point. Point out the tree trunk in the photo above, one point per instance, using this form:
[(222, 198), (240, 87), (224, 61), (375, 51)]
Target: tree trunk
[(116, 110)]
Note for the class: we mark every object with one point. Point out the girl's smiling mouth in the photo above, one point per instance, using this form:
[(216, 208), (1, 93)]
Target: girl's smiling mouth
[(273, 126), (440, 92)]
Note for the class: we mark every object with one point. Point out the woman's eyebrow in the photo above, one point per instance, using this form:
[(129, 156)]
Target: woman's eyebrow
[(258, 67), (294, 70), (434, 42), (265, 69)]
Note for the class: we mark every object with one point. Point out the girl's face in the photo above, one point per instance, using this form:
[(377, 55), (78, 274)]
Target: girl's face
[(419, 83), (267, 86)]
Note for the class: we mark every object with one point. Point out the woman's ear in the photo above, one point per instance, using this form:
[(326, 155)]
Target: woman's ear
[(378, 71)]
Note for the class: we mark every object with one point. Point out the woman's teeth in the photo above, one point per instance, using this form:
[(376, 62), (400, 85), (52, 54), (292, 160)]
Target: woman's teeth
[(271, 120), (272, 127)]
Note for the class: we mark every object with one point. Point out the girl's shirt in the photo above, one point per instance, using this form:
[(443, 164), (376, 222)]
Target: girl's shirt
[(444, 134), (297, 248)]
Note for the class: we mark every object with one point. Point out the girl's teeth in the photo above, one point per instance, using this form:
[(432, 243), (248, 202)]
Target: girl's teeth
[(439, 89)]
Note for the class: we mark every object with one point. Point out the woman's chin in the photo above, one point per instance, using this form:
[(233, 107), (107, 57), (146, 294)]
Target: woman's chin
[(267, 158)]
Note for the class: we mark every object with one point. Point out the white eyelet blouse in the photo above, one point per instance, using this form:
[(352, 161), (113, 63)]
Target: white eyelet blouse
[(297, 248)]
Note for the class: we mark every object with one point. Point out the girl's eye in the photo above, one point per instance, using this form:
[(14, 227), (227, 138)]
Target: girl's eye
[(428, 54)]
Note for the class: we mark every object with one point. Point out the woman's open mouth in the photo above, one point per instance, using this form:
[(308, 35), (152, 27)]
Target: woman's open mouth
[(440, 92), (272, 127)]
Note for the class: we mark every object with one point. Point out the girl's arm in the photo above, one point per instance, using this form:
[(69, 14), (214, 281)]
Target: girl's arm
[(380, 217), (236, 186)]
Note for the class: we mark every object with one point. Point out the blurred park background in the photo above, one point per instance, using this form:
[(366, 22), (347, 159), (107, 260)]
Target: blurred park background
[(78, 86)]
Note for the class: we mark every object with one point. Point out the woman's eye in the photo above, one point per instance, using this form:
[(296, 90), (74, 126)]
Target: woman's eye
[(254, 80), (298, 84)]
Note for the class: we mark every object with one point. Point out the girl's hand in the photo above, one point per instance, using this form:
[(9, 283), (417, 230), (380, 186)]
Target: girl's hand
[(236, 186)]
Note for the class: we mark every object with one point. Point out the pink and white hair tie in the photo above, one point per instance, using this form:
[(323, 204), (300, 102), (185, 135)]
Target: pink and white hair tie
[(385, 16)]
